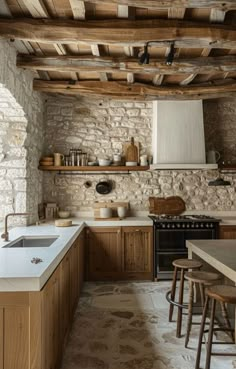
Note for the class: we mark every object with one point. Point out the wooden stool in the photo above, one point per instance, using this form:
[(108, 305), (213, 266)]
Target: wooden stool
[(181, 265), (223, 294), (200, 279)]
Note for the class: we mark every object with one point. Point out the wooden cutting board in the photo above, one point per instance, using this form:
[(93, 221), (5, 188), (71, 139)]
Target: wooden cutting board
[(173, 205), (108, 204), (131, 150)]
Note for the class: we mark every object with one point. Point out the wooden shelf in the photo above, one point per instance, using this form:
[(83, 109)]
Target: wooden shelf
[(94, 168)]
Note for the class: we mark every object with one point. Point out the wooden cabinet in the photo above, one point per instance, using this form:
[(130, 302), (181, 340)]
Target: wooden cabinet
[(228, 232), (51, 338), (137, 252), (119, 253), (34, 325), (103, 245)]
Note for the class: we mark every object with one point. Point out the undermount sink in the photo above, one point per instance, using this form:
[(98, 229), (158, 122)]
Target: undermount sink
[(33, 241)]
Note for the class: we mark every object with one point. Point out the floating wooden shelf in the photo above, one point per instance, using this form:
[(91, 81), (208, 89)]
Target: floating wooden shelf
[(95, 168)]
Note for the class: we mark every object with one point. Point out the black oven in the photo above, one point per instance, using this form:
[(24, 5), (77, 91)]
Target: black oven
[(170, 235)]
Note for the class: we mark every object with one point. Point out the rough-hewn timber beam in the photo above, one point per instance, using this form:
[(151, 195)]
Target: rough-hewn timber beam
[(123, 90), (161, 4), (201, 65), (120, 31)]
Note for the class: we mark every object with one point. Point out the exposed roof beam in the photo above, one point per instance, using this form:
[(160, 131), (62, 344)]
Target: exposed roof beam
[(160, 4), (78, 9), (124, 90), (120, 31), (88, 63)]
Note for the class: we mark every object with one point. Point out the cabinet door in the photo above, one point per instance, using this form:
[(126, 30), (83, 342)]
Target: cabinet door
[(137, 252), (65, 311), (103, 253), (16, 337), (74, 277), (81, 261), (228, 232), (51, 322)]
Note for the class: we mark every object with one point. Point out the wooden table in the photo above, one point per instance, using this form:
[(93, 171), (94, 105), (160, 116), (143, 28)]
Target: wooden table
[(217, 254)]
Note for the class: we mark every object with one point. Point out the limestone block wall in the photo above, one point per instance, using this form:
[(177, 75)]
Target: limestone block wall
[(21, 138), (100, 126)]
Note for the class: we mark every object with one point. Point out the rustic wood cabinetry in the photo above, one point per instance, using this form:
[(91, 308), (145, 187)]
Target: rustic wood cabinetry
[(137, 252), (103, 245), (34, 325), (228, 232), (119, 253)]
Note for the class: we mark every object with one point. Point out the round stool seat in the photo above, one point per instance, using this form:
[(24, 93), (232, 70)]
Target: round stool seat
[(222, 293), (205, 278), (187, 263)]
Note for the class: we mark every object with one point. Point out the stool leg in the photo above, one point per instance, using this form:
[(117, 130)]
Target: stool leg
[(201, 287), (181, 294), (226, 318), (190, 313), (210, 334), (172, 295), (204, 314)]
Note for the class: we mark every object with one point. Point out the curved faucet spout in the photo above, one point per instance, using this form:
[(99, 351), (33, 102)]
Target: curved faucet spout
[(5, 235)]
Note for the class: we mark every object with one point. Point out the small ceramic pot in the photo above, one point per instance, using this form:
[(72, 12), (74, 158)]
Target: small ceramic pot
[(105, 212), (121, 211)]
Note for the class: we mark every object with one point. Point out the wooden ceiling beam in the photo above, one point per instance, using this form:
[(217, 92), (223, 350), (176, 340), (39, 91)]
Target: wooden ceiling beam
[(123, 90), (160, 4), (201, 65), (120, 31)]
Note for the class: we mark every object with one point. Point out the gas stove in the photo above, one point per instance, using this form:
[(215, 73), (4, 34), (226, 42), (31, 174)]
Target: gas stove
[(183, 218), (184, 221), (171, 233)]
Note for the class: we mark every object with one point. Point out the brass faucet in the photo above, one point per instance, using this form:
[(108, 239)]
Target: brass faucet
[(5, 235)]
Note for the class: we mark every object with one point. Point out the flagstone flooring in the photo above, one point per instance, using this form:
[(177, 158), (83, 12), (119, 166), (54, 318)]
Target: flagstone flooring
[(125, 326)]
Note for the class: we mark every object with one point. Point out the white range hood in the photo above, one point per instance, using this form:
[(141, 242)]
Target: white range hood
[(178, 136)]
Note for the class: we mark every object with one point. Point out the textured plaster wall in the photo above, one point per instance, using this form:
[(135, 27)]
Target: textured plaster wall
[(99, 126), (21, 138)]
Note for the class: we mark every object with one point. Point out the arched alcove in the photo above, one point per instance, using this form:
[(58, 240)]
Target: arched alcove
[(21, 139)]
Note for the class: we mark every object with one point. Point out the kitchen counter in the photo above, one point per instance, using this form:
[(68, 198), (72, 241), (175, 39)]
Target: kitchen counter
[(18, 273), (220, 254)]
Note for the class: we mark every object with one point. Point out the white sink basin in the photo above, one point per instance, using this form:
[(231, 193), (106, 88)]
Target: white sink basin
[(33, 241)]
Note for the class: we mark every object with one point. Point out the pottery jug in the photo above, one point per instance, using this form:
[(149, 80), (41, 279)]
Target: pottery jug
[(58, 159), (213, 156)]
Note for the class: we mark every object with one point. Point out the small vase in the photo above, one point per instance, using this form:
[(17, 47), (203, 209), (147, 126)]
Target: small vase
[(121, 211)]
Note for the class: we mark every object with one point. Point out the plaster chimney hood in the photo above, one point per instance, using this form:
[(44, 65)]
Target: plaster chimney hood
[(178, 138)]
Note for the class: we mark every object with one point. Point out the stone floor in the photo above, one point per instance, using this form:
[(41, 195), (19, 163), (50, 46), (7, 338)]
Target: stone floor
[(125, 326)]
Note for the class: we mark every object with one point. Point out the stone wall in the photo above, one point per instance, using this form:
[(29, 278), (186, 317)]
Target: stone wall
[(99, 126), (21, 138)]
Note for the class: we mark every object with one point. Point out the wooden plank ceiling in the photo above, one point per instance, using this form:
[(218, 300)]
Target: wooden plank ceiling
[(93, 47)]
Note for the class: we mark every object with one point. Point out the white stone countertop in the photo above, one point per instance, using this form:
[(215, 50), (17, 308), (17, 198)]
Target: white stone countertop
[(220, 254), (18, 273)]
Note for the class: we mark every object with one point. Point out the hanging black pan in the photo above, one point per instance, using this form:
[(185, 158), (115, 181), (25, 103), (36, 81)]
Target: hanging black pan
[(104, 187)]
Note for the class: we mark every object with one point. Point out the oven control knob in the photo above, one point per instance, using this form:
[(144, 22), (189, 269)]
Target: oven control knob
[(197, 225), (207, 225), (183, 225), (168, 226), (163, 225), (178, 225), (187, 226), (192, 225), (201, 225), (173, 226), (211, 225)]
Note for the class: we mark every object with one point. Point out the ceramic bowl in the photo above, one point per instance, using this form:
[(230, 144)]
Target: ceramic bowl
[(131, 163), (63, 214), (104, 162)]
